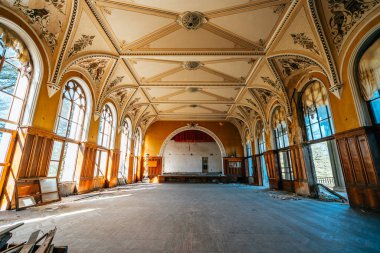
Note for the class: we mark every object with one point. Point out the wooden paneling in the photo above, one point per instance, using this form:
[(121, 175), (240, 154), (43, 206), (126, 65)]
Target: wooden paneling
[(154, 167), (257, 173), (301, 183), (359, 156), (231, 167), (87, 169), (113, 168), (271, 160)]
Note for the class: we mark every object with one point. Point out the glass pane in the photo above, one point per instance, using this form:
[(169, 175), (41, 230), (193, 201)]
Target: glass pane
[(313, 117), (322, 112), (307, 121), (65, 109), (5, 140), (5, 105), (308, 132), (22, 86), (96, 170), (56, 152), (8, 78), (375, 107), (62, 127), (325, 128), (69, 161), (10, 57), (316, 132), (103, 163), (53, 169), (16, 110)]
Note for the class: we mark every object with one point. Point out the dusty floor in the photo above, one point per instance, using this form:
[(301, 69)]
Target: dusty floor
[(199, 218)]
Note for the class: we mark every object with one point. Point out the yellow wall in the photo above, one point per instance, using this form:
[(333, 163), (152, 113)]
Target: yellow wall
[(226, 132)]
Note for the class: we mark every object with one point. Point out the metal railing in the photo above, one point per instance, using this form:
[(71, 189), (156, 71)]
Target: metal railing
[(329, 181)]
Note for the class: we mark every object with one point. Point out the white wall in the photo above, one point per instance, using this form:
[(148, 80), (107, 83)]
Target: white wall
[(177, 157)]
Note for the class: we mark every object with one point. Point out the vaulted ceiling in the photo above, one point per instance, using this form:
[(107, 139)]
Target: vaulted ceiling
[(181, 59)]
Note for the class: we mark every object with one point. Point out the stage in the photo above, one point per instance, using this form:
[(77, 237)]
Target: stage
[(196, 178)]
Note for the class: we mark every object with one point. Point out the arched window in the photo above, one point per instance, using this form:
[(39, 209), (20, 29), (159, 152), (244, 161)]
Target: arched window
[(105, 139), (248, 150), (316, 111), (105, 127), (260, 137), (125, 148), (137, 150), (16, 71), (70, 125), (280, 128), (72, 112), (369, 77), (282, 141)]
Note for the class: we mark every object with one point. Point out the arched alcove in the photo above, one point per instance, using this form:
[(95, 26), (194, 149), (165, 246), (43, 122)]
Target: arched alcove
[(191, 156)]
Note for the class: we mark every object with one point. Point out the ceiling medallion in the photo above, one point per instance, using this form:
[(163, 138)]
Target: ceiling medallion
[(192, 20), (191, 65)]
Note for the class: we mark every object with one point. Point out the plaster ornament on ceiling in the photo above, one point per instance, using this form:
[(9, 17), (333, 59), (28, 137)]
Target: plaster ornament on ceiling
[(192, 20), (345, 14), (192, 89), (305, 41), (41, 13), (192, 65), (278, 9), (290, 65), (81, 43), (250, 101), (115, 81), (95, 66), (120, 96), (265, 95), (274, 84)]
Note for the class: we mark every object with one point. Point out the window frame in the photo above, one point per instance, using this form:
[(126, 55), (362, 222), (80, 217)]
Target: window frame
[(306, 116)]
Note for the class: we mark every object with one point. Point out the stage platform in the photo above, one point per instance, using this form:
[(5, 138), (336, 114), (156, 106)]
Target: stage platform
[(197, 178)]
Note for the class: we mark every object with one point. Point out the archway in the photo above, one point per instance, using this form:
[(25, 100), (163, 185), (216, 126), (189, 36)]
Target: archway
[(192, 150)]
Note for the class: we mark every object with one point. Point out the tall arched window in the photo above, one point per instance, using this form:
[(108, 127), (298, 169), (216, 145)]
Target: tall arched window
[(260, 137), (125, 148), (316, 111), (105, 139), (137, 150), (70, 125), (282, 141), (248, 150), (369, 77), (16, 72), (261, 148), (105, 127), (280, 128)]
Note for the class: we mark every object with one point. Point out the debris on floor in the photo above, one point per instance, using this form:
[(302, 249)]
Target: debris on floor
[(284, 195), (32, 245)]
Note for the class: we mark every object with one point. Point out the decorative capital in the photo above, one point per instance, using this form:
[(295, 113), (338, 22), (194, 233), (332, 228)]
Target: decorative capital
[(52, 88), (97, 115), (337, 90)]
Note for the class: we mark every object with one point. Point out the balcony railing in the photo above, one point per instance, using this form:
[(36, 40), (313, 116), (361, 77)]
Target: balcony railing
[(328, 181)]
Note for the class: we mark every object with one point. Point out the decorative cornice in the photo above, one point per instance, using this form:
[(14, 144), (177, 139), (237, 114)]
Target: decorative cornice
[(318, 25), (65, 43)]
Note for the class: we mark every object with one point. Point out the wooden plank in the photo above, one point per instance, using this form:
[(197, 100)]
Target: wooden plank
[(29, 246), (46, 244)]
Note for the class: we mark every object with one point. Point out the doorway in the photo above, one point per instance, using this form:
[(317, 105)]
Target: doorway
[(324, 157), (204, 164)]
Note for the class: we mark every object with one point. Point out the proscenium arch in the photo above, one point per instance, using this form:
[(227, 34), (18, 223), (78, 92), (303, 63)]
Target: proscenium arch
[(199, 128)]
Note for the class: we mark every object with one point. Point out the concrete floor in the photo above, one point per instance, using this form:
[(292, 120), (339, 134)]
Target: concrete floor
[(200, 218)]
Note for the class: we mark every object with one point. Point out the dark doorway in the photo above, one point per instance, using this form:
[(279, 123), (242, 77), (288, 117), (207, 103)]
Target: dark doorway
[(204, 164)]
